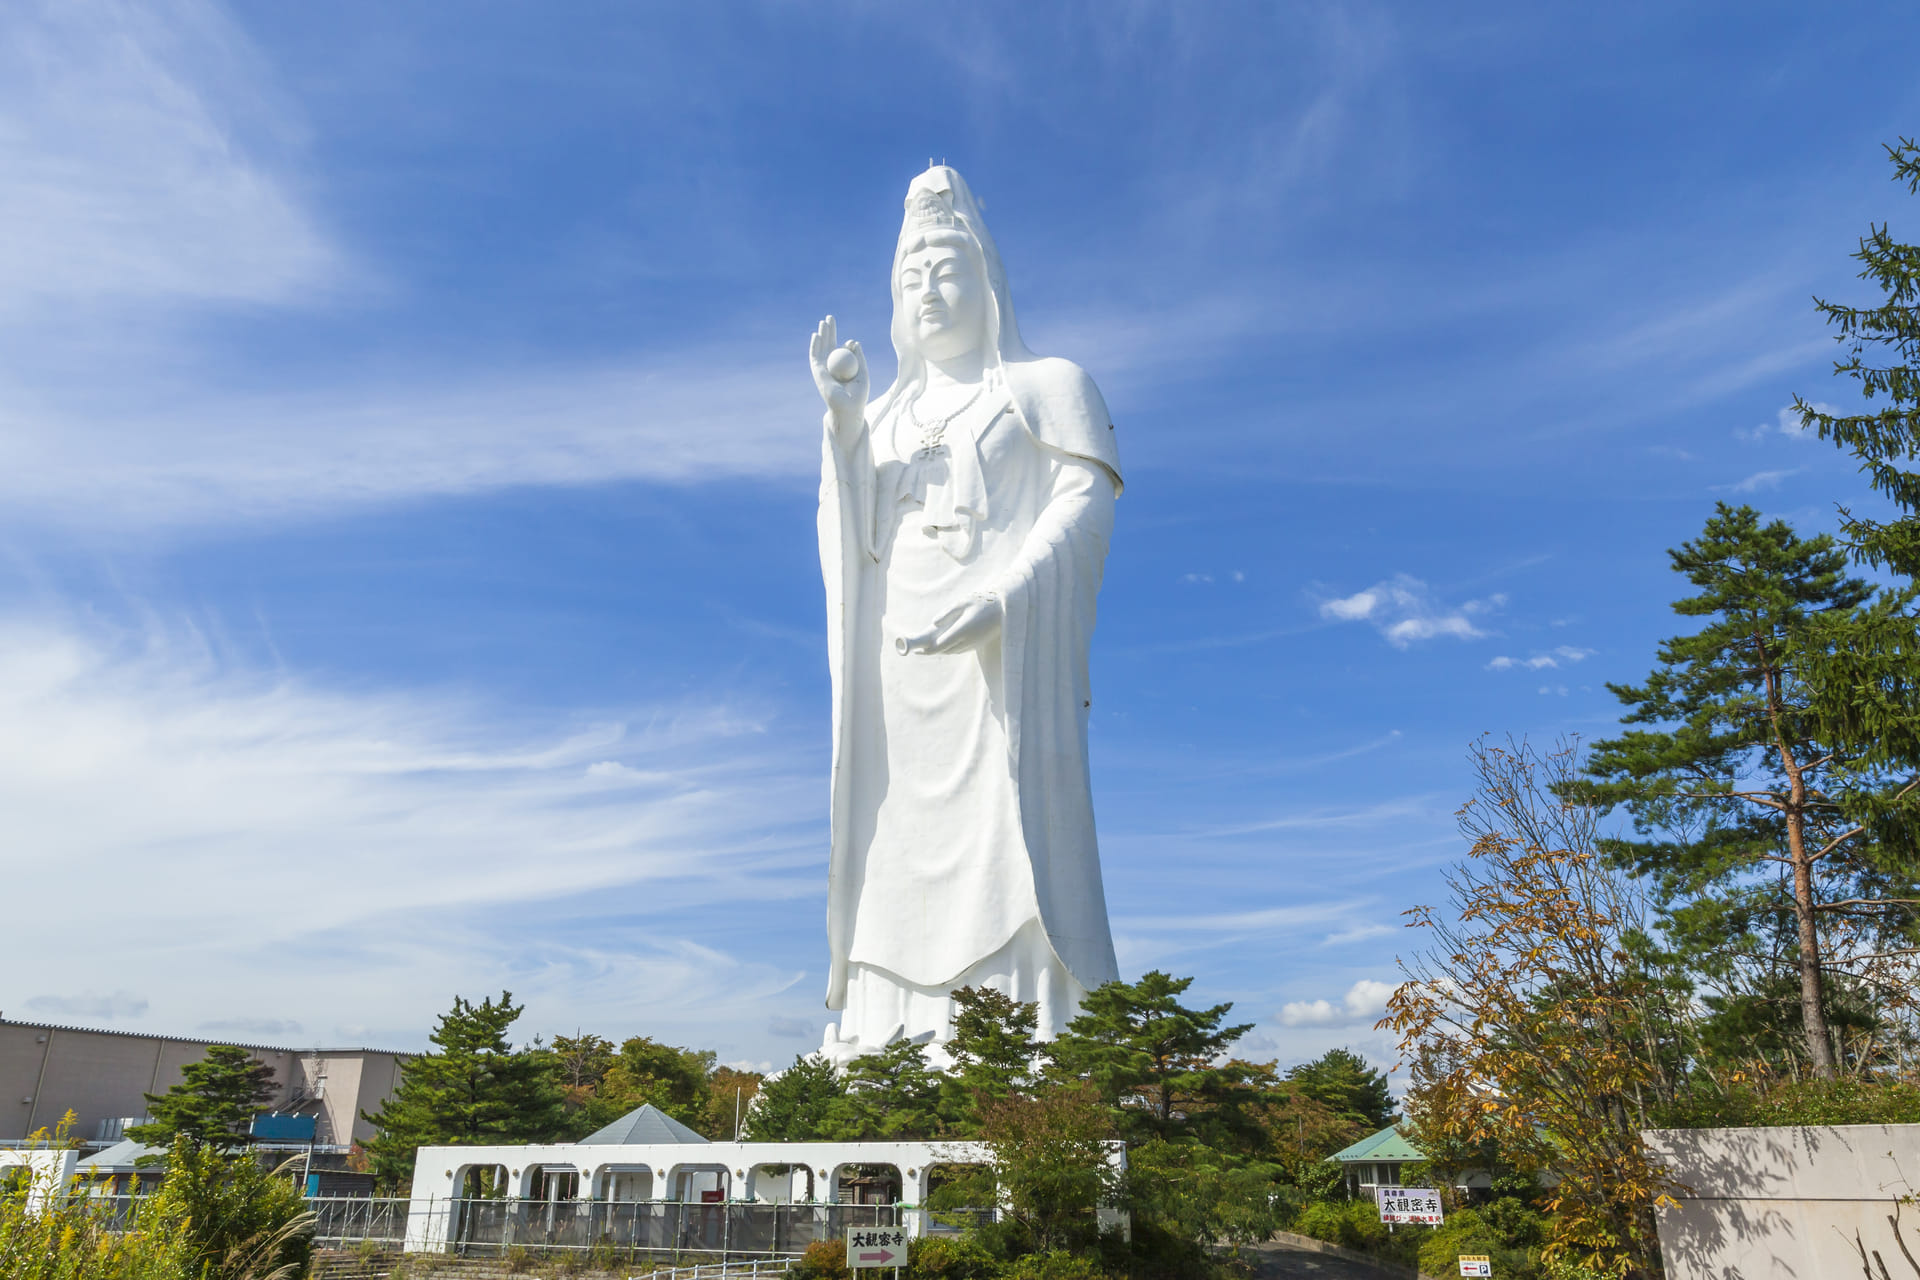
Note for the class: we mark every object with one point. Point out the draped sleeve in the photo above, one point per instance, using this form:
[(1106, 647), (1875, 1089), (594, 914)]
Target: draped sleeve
[(845, 524), (1048, 603)]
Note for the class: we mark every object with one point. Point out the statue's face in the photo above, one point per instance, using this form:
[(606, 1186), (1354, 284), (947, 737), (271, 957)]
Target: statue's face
[(945, 294)]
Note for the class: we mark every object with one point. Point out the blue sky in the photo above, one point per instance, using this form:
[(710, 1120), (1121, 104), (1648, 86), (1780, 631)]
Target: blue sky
[(407, 583)]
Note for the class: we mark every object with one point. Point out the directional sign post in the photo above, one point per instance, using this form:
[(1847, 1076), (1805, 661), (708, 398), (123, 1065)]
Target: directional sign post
[(876, 1247), (1476, 1264)]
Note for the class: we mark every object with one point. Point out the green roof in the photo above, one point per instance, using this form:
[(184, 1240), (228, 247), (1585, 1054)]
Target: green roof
[(1384, 1145)]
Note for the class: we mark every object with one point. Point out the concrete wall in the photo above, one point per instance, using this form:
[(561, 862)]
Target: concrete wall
[(1789, 1202), (46, 1071)]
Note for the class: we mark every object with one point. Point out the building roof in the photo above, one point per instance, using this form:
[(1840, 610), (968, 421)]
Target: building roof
[(1388, 1144), (119, 1157), (238, 1044), (644, 1124)]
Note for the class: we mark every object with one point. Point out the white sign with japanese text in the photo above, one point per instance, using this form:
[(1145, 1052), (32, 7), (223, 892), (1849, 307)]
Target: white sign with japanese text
[(1476, 1264), (1409, 1204), (876, 1247)]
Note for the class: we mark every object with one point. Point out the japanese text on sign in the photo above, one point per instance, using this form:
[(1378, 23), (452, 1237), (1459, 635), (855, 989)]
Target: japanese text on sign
[(1476, 1264), (876, 1247), (1409, 1204)]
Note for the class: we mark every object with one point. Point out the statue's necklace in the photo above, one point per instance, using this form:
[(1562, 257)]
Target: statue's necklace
[(934, 434)]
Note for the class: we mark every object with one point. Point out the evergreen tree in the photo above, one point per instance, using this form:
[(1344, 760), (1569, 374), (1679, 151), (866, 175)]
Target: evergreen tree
[(213, 1104), (798, 1104), (993, 1050), (1865, 666), (1147, 1053), (476, 1090), (891, 1096), (1341, 1081), (1747, 817)]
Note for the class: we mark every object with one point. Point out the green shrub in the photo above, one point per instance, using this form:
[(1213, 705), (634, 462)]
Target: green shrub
[(823, 1260), (1798, 1102), (1352, 1224), (1501, 1231), (949, 1258), (235, 1218), (1055, 1265)]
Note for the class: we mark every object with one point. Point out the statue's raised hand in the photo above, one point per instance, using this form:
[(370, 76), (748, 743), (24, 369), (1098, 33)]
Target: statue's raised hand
[(841, 376)]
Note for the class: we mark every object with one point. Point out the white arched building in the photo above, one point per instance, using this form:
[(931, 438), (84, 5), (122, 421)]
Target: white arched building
[(647, 1164)]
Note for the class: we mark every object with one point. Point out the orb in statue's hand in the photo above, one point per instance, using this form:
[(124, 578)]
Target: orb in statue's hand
[(843, 364)]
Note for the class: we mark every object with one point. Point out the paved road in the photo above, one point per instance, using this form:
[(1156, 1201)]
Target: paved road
[(1277, 1261)]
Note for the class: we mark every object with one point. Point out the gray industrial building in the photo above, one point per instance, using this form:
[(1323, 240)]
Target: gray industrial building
[(103, 1077)]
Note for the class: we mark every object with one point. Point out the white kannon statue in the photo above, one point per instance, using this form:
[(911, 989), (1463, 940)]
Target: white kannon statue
[(964, 521)]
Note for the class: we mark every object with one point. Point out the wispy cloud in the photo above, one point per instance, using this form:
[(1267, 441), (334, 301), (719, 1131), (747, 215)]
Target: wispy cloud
[(1404, 611), (1759, 481), (207, 457), (1786, 423), (1364, 1000), (91, 1005), (308, 844), (1565, 654), (135, 140)]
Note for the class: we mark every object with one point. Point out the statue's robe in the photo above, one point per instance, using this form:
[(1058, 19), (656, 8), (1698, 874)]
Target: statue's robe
[(962, 817)]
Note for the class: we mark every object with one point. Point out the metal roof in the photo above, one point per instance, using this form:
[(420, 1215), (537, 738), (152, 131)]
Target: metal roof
[(644, 1124), (238, 1044), (120, 1157), (1388, 1144)]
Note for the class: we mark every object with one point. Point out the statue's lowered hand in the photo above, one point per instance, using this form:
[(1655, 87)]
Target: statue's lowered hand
[(840, 375), (965, 626)]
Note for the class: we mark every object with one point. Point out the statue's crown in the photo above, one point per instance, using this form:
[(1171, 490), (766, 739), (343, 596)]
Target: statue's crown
[(927, 210)]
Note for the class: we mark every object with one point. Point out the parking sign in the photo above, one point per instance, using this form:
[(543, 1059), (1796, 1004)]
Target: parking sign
[(1476, 1264)]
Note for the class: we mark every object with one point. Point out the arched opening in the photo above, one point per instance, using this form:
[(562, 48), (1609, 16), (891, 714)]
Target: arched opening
[(867, 1184), (480, 1182), (553, 1182), (699, 1183), (626, 1183), (958, 1196), (480, 1204), (779, 1184)]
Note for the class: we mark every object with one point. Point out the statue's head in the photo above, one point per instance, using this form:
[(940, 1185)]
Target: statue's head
[(941, 286), (949, 290)]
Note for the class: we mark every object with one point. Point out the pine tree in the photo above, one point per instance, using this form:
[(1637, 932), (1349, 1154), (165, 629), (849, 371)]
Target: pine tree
[(476, 1090), (891, 1095), (1865, 667), (798, 1104), (213, 1104), (1341, 1081), (1146, 1052), (1747, 815), (994, 1054)]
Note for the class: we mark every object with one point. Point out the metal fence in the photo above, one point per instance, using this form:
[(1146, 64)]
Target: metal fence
[(346, 1220), (740, 1230), (751, 1269), (654, 1227)]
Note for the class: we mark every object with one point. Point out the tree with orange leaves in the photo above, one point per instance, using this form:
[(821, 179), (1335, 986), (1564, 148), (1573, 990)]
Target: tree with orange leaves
[(1536, 1019)]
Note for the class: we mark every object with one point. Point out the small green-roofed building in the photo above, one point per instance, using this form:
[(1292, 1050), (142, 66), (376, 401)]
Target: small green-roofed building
[(1375, 1160)]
